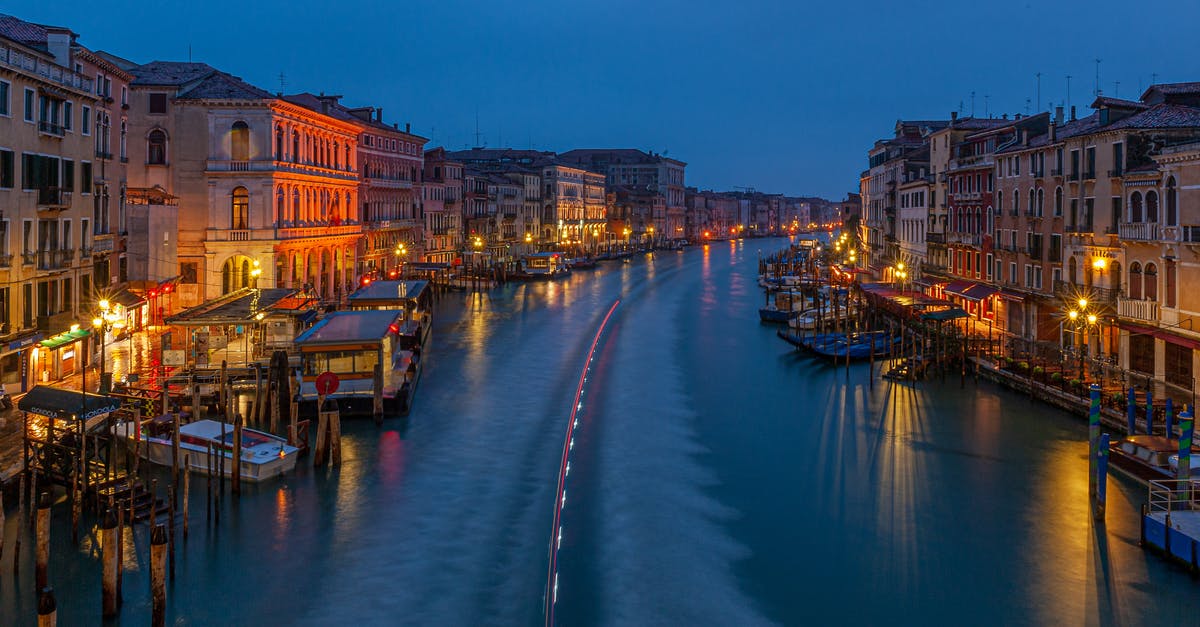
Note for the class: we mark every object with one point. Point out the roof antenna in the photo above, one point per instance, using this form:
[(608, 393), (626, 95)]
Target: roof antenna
[(477, 144), (282, 82), (1097, 94)]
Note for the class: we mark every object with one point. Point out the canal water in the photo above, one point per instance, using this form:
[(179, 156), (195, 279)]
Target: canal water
[(717, 478)]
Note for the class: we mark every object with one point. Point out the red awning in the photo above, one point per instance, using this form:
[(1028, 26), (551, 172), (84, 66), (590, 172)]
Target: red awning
[(958, 288), (1163, 334), (979, 291)]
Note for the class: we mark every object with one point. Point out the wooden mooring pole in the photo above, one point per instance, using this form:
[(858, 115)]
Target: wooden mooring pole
[(47, 608), (43, 541), (158, 588), (108, 558)]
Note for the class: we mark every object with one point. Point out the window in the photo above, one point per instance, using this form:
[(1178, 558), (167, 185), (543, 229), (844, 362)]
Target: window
[(1135, 207), (1135, 281), (85, 120), (1058, 202), (124, 144), (28, 105), (68, 175), (1141, 353), (1118, 159), (5, 87), (1028, 275), (239, 141), (240, 209), (1178, 365), (7, 174), (1012, 272), (1090, 157), (1151, 206), (85, 178), (1169, 283), (68, 113), (1172, 202), (158, 104), (156, 148), (188, 272), (1150, 282)]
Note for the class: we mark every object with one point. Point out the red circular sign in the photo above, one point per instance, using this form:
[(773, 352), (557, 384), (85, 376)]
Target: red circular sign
[(327, 383)]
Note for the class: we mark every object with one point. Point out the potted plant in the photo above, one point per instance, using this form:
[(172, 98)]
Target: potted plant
[(1022, 366), (1039, 372)]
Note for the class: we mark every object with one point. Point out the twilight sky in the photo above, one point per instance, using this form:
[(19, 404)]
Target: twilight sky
[(783, 96)]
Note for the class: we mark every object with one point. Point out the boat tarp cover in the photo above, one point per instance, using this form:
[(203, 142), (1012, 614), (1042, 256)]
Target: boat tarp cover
[(945, 314), (44, 400)]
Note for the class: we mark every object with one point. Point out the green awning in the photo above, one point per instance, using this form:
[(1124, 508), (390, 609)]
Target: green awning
[(62, 339)]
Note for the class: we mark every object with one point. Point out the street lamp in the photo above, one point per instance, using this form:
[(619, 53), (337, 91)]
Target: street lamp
[(106, 320)]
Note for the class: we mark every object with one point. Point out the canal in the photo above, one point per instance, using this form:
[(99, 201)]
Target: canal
[(717, 478)]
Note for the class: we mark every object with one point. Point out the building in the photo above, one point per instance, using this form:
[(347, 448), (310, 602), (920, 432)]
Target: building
[(647, 170), (879, 189), (267, 189), (57, 181), (442, 189), (391, 164)]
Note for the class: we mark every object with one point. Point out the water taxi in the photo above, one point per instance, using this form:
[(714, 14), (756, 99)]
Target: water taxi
[(203, 443), (351, 344), (544, 266)]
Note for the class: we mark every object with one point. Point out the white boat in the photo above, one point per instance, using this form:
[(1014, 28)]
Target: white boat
[(811, 319), (263, 455)]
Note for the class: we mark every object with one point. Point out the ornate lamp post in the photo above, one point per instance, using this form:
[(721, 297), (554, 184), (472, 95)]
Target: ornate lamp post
[(104, 322)]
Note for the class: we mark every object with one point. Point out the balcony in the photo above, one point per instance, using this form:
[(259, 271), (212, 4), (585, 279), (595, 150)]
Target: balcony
[(1056, 172), (1116, 173), (1071, 292), (934, 269), (935, 238), (1144, 310), (53, 198), (102, 244), (302, 232), (55, 259), (1074, 176), (50, 128), (1082, 229), (28, 258), (1090, 175), (100, 154), (1189, 234), (15, 58), (6, 260), (1138, 231), (1034, 253), (271, 165)]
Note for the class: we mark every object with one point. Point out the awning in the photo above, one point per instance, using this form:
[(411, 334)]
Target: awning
[(958, 288), (126, 298), (945, 314), (44, 400), (979, 291), (62, 339), (1162, 334), (1007, 294)]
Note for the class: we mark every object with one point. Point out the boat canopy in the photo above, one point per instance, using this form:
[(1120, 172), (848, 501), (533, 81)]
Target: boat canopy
[(351, 327), (944, 314), (245, 306), (44, 400), (395, 293)]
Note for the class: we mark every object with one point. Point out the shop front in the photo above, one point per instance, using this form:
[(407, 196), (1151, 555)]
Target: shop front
[(60, 356)]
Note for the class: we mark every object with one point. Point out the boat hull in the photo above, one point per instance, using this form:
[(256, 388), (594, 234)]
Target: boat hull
[(255, 467)]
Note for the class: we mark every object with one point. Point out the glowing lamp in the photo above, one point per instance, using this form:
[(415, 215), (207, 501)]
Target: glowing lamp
[(1073, 315)]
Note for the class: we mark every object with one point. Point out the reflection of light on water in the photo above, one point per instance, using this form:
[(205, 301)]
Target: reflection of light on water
[(391, 457), (349, 490), (283, 518)]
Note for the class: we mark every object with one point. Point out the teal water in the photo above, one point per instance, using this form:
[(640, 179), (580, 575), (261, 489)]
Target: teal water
[(718, 478)]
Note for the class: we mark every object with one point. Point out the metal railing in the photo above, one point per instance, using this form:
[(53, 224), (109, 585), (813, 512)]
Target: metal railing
[(55, 197), (1072, 291), (55, 259)]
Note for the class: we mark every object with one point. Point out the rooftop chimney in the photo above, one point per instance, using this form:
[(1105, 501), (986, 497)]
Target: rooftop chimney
[(407, 127), (1058, 114), (1072, 113), (953, 117), (1054, 128), (379, 114)]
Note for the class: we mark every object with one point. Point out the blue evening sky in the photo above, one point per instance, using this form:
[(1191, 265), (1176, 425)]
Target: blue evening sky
[(780, 96)]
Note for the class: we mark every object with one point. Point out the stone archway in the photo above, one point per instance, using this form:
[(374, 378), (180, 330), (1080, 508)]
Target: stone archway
[(235, 273)]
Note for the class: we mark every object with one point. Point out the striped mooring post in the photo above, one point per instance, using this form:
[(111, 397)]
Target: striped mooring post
[(1132, 412), (1101, 478), (1093, 437), (1149, 412), (1186, 425)]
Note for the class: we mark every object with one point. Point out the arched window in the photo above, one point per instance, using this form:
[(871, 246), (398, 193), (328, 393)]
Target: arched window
[(295, 206), (999, 202), (239, 213), (1135, 207), (295, 146), (156, 148), (335, 155), (280, 206), (1151, 206), (124, 130), (1041, 202), (1016, 204), (1135, 281), (1150, 282), (279, 143), (1058, 201), (1169, 283), (239, 141), (1172, 202), (1072, 272), (1032, 201)]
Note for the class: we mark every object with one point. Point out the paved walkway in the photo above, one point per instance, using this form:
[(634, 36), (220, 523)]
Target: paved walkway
[(136, 354)]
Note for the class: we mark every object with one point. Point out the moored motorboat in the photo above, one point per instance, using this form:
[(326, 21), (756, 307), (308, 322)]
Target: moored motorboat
[(203, 443)]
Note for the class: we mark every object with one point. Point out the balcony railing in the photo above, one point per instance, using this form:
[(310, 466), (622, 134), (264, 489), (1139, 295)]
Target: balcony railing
[(317, 231), (1139, 231), (16, 58), (1189, 234), (55, 259), (102, 244), (271, 165), (1086, 229), (1144, 310), (1116, 173), (6, 260), (28, 257), (100, 154), (50, 128), (935, 238), (1072, 292), (53, 197), (1034, 253), (1055, 171)]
